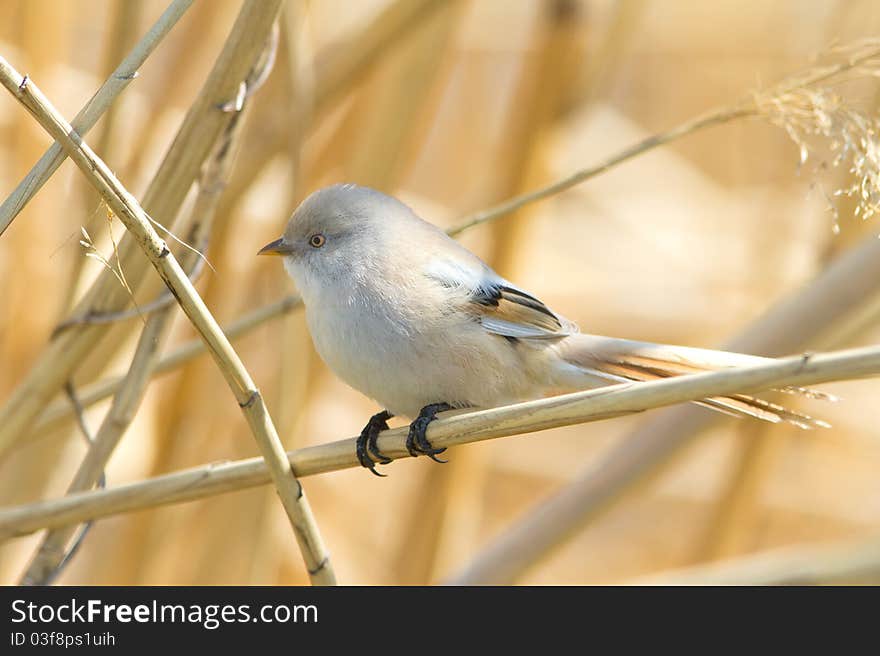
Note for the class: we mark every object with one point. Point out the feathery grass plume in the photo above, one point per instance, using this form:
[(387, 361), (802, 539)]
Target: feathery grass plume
[(93, 253), (823, 124)]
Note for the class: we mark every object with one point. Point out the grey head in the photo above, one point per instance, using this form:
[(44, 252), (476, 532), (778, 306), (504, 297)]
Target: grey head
[(344, 230), (329, 219)]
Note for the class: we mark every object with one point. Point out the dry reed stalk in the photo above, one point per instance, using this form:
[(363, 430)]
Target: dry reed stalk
[(39, 32), (738, 512), (709, 119), (51, 555), (197, 135), (449, 430), (295, 372), (141, 310), (338, 69), (300, 75), (237, 377), (463, 511), (101, 483), (847, 562), (100, 103), (838, 292), (194, 41)]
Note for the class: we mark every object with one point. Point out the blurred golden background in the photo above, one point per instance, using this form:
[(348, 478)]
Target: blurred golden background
[(455, 106)]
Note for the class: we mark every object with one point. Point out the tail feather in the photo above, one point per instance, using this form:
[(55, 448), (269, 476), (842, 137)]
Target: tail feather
[(625, 360)]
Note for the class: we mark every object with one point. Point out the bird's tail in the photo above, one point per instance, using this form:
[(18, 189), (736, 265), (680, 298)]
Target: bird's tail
[(588, 357)]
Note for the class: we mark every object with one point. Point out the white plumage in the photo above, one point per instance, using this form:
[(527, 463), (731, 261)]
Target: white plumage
[(410, 317)]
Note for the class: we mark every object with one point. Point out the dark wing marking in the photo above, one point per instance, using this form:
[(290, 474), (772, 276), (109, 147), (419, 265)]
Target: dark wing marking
[(512, 313), (501, 308)]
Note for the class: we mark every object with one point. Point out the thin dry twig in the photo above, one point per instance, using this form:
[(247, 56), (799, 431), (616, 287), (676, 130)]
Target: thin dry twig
[(715, 117), (240, 382), (164, 300), (93, 253), (93, 110), (449, 430)]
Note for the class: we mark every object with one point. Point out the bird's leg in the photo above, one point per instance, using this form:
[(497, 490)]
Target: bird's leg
[(367, 448), (416, 442)]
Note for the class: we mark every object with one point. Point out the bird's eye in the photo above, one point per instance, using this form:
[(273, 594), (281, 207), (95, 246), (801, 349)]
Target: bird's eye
[(316, 241)]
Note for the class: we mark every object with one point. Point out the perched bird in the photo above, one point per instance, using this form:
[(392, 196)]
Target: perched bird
[(412, 319)]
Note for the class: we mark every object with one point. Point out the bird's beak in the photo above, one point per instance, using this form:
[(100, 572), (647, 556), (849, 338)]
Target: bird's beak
[(277, 247)]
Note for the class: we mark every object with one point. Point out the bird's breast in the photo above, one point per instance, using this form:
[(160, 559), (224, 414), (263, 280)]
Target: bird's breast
[(367, 345), (407, 361)]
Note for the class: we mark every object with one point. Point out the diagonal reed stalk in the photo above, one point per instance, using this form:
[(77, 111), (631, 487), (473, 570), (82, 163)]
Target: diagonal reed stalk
[(181, 166), (52, 556), (246, 393)]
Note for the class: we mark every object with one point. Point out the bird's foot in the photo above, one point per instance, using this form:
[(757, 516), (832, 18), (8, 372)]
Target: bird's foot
[(368, 453), (416, 442)]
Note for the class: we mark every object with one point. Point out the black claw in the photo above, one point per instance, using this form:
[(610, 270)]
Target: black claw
[(367, 446), (373, 471), (372, 441), (416, 442), (422, 445)]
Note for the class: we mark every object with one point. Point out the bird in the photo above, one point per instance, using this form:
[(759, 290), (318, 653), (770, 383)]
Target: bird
[(409, 317)]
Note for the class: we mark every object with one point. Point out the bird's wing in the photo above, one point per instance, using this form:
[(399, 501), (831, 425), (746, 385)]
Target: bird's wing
[(500, 307), (510, 312)]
